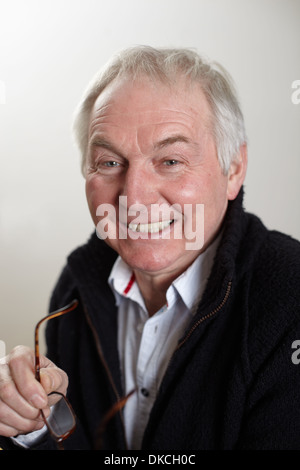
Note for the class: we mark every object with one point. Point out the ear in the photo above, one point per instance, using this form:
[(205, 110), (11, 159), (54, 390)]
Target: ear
[(237, 173)]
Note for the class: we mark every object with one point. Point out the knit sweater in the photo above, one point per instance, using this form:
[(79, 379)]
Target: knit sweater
[(231, 382)]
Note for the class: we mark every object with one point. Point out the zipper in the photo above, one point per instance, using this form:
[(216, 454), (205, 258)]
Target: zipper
[(100, 353), (201, 320), (206, 317), (108, 372), (185, 339)]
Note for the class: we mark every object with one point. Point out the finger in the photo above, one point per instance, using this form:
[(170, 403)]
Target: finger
[(21, 366), (51, 377), (7, 431), (54, 379), (12, 423), (10, 396), (21, 391)]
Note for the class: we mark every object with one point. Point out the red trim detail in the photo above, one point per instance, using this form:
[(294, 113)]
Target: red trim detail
[(129, 285)]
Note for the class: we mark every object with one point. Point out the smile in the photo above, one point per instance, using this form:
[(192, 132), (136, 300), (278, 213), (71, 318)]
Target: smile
[(150, 228)]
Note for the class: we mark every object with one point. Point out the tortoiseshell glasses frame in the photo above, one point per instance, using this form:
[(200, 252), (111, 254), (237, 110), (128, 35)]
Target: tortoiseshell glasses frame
[(62, 419)]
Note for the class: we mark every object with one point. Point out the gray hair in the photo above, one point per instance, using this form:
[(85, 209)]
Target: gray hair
[(166, 65)]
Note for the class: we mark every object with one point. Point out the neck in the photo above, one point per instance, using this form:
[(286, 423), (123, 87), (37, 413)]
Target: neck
[(153, 290), (154, 285)]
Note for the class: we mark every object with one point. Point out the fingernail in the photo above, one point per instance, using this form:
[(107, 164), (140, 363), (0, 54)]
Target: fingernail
[(38, 401)]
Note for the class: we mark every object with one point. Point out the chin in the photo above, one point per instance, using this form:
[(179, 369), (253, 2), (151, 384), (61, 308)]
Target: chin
[(155, 259), (144, 258), (146, 264)]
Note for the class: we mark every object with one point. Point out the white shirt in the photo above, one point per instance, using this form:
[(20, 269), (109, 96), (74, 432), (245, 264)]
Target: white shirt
[(145, 344)]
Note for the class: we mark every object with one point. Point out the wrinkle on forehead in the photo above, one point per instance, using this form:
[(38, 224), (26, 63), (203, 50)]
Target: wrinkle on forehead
[(149, 90), (129, 105)]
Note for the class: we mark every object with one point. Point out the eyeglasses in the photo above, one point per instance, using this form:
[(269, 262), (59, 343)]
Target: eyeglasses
[(118, 406), (62, 420)]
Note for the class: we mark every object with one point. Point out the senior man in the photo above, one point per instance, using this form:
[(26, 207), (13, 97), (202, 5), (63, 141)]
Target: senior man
[(183, 297)]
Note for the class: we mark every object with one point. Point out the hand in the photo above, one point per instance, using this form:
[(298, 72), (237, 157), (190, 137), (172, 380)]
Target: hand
[(22, 396)]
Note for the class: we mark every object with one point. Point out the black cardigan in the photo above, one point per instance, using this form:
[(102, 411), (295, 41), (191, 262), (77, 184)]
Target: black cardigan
[(231, 383)]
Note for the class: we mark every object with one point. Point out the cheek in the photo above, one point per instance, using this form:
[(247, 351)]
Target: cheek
[(215, 207), (211, 191), (191, 191), (95, 195)]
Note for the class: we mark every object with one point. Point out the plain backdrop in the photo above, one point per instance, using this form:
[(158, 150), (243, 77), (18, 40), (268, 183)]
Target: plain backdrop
[(49, 50)]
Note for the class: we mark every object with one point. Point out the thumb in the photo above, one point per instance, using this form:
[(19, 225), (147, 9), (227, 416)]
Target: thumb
[(53, 379)]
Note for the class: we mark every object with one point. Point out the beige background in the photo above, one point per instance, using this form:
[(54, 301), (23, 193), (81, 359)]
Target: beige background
[(49, 50)]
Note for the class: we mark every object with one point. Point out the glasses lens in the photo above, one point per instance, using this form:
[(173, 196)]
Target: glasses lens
[(61, 421)]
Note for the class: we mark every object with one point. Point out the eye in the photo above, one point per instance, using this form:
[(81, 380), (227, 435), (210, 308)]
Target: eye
[(111, 164), (171, 162), (168, 165), (105, 166)]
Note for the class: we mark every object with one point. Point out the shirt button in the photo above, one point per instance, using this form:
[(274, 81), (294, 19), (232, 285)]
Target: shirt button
[(145, 392), (140, 327)]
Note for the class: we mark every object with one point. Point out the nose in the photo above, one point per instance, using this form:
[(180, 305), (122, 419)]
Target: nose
[(140, 185)]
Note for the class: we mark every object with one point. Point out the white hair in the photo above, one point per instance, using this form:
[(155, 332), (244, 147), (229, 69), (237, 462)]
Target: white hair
[(166, 65)]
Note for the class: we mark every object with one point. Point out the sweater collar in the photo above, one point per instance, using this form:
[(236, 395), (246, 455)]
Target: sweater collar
[(92, 263), (189, 286)]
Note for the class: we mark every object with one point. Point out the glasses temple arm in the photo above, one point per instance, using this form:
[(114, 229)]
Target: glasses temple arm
[(68, 308)]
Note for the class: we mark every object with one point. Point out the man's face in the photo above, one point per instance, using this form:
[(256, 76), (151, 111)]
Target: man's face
[(150, 146)]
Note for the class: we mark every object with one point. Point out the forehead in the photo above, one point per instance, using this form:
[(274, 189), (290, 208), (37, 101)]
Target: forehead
[(142, 100)]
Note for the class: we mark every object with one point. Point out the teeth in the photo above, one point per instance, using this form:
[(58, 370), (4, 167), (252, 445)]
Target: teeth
[(150, 228)]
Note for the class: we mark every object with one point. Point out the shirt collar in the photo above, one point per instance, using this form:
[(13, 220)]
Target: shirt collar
[(189, 286), (123, 284)]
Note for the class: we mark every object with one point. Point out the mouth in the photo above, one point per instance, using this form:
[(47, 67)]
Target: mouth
[(150, 228)]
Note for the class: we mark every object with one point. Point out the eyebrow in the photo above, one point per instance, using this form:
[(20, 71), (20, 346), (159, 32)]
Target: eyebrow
[(100, 142), (172, 140)]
